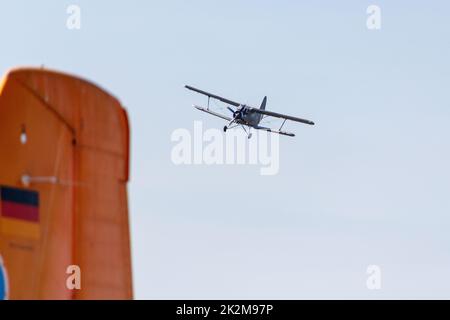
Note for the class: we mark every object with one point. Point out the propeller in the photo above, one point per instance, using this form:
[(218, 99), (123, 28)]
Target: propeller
[(236, 113)]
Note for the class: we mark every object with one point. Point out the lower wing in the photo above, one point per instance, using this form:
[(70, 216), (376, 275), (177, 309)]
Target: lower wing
[(284, 133), (213, 113)]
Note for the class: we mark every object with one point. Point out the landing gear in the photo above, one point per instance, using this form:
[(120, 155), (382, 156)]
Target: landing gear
[(249, 133), (225, 129)]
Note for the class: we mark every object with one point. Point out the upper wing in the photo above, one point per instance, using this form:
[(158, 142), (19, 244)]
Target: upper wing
[(213, 113), (282, 116), (236, 104)]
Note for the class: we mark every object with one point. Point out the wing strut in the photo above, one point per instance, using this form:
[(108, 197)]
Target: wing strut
[(282, 125)]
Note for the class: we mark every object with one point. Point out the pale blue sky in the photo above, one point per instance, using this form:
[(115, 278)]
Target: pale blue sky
[(369, 184)]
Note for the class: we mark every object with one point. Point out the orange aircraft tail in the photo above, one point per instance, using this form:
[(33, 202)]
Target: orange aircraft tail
[(64, 169)]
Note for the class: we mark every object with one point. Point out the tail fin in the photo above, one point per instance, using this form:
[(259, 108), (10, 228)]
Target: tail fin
[(60, 223), (263, 107), (263, 104)]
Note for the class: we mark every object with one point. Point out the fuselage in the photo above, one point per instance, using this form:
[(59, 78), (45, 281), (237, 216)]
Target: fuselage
[(245, 115)]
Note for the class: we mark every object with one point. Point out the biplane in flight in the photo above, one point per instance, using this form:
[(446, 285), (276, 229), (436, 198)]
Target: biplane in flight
[(246, 116)]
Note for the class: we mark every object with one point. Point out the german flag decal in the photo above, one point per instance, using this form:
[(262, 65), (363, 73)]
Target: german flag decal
[(19, 212)]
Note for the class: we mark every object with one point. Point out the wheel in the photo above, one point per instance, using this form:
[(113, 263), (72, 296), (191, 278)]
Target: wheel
[(249, 135), (225, 129)]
